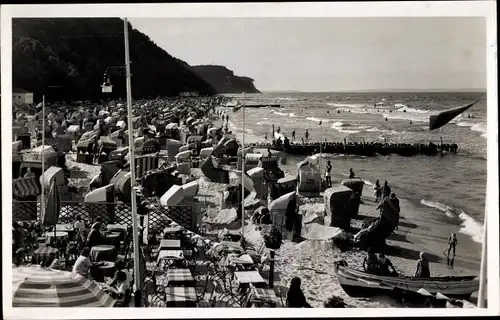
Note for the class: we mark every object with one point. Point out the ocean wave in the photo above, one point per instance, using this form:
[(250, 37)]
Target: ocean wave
[(353, 110), (291, 114), (411, 110), (469, 226), (317, 119), (407, 116), (375, 129), (288, 99), (340, 127), (346, 105), (474, 126)]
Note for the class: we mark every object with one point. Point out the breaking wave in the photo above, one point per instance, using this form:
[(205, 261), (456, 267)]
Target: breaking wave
[(469, 226)]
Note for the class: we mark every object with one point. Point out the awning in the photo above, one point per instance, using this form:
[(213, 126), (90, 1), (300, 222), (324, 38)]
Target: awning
[(25, 187), (172, 126), (73, 129), (98, 195), (52, 174)]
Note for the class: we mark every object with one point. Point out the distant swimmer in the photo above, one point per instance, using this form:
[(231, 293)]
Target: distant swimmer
[(293, 135), (411, 122), (385, 118), (338, 111), (327, 111)]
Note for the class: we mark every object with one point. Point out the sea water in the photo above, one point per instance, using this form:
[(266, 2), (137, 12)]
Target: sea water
[(450, 190)]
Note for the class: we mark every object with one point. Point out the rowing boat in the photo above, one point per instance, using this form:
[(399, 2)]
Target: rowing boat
[(357, 283)]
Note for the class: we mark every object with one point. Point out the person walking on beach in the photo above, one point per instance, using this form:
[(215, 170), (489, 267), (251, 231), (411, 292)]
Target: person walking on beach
[(295, 297), (452, 243), (328, 176), (386, 190), (423, 270), (293, 134), (378, 191), (269, 153)]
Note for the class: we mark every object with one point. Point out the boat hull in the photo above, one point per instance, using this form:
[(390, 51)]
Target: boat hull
[(360, 284)]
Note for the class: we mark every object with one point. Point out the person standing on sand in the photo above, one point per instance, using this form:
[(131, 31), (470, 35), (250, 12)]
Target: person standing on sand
[(306, 135), (423, 270), (265, 136), (386, 190), (452, 243), (295, 297), (293, 134), (328, 176), (378, 191), (351, 174)]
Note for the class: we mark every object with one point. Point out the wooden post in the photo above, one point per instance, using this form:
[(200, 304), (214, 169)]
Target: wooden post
[(271, 269)]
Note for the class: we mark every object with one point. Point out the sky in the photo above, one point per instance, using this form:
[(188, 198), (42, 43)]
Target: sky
[(332, 54)]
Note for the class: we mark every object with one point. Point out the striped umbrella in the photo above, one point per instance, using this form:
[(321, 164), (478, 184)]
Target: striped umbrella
[(38, 287)]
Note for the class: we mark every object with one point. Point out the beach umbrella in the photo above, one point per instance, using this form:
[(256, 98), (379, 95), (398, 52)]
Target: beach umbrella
[(50, 215), (436, 121), (39, 287)]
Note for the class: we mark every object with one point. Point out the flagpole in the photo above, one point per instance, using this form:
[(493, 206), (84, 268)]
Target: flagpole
[(135, 229), (42, 205), (483, 273), (243, 171), (320, 154)]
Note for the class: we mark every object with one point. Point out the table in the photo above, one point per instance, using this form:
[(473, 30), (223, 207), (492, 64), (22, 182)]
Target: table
[(247, 277), (183, 297), (170, 255), (179, 278), (266, 295), (170, 244), (106, 270), (235, 246), (102, 253), (116, 227), (44, 255), (114, 239), (54, 237), (65, 228), (171, 232)]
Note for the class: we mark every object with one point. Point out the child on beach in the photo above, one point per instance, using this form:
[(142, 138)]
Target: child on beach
[(423, 270), (371, 263)]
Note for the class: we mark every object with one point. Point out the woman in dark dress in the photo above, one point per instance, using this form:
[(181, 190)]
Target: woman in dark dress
[(295, 297)]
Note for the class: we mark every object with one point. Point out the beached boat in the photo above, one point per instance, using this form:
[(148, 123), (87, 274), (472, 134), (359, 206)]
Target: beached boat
[(357, 283)]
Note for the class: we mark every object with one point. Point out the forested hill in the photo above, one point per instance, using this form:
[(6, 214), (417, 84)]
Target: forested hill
[(224, 80), (66, 59)]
